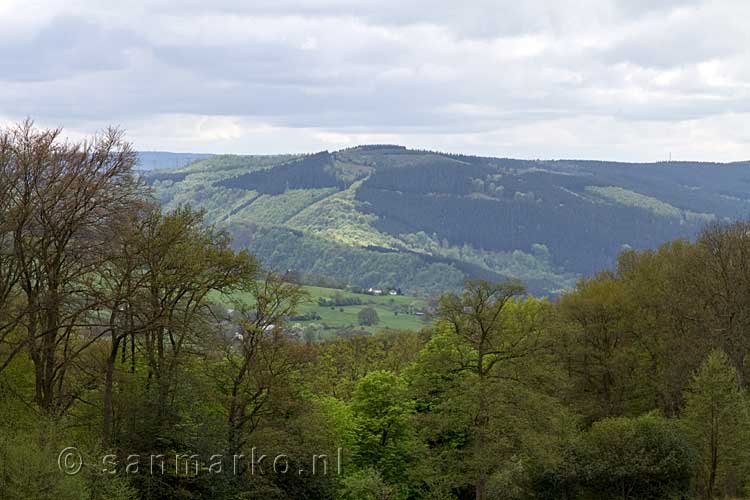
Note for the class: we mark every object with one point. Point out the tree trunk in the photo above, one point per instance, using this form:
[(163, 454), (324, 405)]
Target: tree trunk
[(482, 421), (108, 410), (714, 466)]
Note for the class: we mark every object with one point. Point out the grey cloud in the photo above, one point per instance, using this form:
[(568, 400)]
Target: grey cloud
[(686, 40), (419, 68), (67, 46)]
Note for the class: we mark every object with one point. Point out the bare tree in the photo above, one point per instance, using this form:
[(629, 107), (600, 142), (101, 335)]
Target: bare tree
[(60, 209), (10, 304)]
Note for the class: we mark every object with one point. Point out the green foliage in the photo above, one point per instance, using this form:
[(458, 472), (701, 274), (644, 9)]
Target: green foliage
[(385, 198), (279, 208), (233, 164), (535, 267), (28, 470), (367, 484), (633, 199), (343, 362), (368, 317), (337, 217), (485, 391), (381, 408), (501, 396), (339, 299), (651, 204), (280, 248), (597, 317), (633, 458), (30, 447), (716, 418)]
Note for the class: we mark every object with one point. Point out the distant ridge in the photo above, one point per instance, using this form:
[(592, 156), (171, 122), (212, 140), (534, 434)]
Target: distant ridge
[(382, 215), (149, 160)]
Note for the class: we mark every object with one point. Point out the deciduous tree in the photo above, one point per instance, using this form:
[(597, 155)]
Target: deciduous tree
[(716, 416)]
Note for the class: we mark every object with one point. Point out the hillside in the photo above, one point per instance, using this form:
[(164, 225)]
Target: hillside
[(149, 160), (423, 221)]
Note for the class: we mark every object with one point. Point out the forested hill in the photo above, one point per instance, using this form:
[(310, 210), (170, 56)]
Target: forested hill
[(423, 221)]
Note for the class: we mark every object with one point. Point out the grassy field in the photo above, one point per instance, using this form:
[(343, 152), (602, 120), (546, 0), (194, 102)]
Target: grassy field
[(393, 311), (385, 305)]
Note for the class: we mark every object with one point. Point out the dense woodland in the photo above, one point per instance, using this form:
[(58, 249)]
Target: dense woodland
[(384, 216), (116, 338)]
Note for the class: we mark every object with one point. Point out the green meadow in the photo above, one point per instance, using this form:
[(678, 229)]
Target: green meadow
[(394, 312)]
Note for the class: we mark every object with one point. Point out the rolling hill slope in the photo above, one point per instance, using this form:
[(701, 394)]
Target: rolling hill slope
[(423, 221)]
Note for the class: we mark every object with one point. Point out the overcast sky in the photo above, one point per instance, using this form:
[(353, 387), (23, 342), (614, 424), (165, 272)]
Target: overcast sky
[(607, 79)]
